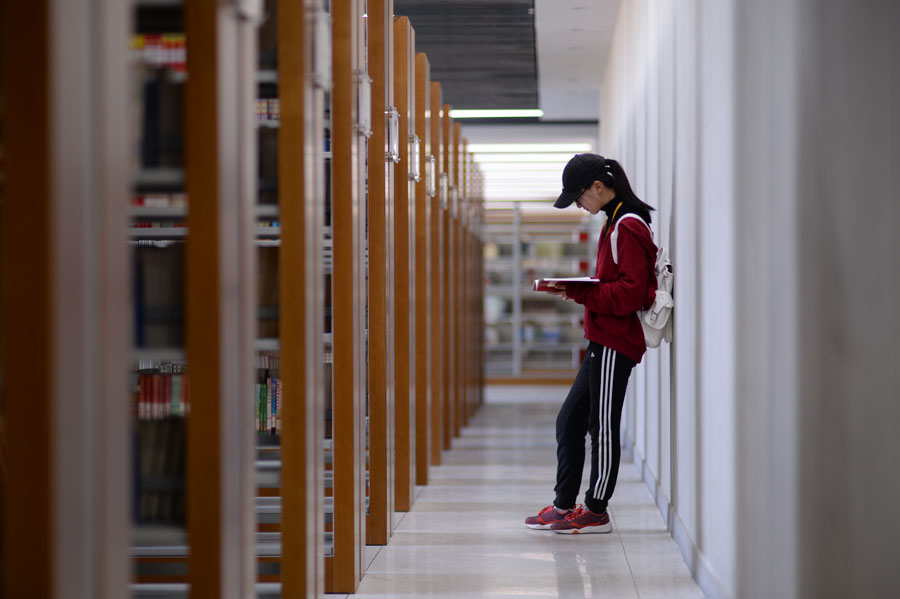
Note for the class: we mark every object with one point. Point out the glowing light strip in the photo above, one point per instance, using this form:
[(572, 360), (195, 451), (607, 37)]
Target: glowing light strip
[(496, 114), (560, 159), (565, 148)]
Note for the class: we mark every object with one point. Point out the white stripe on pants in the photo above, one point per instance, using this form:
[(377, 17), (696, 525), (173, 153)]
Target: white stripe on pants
[(607, 375)]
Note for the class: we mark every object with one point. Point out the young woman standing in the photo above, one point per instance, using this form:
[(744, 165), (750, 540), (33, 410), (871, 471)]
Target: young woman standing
[(615, 344)]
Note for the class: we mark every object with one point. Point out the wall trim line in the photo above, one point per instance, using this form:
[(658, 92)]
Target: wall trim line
[(694, 559)]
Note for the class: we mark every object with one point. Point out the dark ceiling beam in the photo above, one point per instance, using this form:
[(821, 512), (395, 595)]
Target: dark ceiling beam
[(483, 52)]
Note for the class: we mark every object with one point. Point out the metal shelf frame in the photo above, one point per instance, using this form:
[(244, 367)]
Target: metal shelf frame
[(519, 234)]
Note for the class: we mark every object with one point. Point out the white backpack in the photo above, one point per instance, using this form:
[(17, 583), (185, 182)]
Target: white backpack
[(657, 321)]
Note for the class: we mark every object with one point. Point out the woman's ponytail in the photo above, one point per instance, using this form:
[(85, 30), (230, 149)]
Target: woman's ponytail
[(616, 178)]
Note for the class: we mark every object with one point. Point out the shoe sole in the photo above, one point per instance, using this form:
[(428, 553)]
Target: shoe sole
[(587, 530), (539, 526)]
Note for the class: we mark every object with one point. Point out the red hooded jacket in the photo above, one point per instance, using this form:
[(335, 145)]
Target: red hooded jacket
[(610, 306)]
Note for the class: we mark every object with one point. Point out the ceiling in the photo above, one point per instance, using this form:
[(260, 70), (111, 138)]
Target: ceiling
[(573, 42), (512, 54)]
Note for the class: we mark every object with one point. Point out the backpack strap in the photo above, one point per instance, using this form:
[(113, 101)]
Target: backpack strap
[(614, 238)]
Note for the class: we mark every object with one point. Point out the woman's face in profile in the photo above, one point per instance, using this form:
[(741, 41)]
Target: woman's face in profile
[(595, 197)]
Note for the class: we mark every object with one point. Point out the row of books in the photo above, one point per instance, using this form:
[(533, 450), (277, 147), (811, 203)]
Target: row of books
[(268, 360), (159, 471), (160, 50), (161, 395), (268, 109), (159, 112), (159, 295), (268, 406), (159, 200), (156, 224)]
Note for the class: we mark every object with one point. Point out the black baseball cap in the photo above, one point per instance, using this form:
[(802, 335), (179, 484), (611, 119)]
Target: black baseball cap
[(580, 172)]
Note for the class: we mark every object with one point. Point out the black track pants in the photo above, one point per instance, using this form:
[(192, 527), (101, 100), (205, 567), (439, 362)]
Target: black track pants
[(594, 405)]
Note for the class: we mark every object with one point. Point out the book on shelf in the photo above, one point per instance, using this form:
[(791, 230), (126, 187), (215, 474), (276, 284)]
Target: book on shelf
[(268, 360), (267, 166), (159, 200), (558, 284), (267, 292), (161, 399), (278, 407), (162, 393), (160, 50), (159, 118), (158, 283), (268, 110), (268, 406)]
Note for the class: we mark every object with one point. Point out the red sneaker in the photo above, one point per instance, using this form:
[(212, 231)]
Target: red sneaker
[(545, 518), (582, 521)]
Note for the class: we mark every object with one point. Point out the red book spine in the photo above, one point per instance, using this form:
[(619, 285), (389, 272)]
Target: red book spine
[(142, 396), (167, 395), (186, 390)]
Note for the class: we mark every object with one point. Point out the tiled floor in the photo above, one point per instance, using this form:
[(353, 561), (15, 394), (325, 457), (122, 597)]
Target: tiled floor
[(465, 537)]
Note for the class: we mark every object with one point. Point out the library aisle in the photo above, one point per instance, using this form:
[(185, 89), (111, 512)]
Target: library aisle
[(465, 537)]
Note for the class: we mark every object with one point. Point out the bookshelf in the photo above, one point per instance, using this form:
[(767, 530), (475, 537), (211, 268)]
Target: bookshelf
[(220, 324), (380, 214), (448, 321), (405, 320), (304, 79), (479, 218), (349, 127), (223, 254), (425, 247), (267, 399), (474, 284), (528, 334), (437, 307), (458, 260), (63, 291), (161, 379)]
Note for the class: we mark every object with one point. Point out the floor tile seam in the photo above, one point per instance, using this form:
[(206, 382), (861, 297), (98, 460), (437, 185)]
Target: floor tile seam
[(625, 554)]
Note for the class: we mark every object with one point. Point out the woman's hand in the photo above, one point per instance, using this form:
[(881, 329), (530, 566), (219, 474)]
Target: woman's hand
[(560, 292)]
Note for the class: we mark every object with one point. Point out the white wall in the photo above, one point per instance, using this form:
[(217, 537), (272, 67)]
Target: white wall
[(766, 134), (667, 116)]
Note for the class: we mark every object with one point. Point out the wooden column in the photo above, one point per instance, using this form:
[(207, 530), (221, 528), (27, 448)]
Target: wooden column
[(436, 229), (220, 175), (381, 292), (464, 281), (449, 307), (479, 286), (346, 567), (65, 323), (470, 286), (476, 333), (404, 255), (424, 248), (300, 188), (456, 259), (473, 283)]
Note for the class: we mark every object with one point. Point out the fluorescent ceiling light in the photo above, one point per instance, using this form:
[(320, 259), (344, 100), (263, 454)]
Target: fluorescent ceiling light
[(503, 165), (507, 192), (560, 159), (520, 188), (545, 177), (565, 148), (496, 114)]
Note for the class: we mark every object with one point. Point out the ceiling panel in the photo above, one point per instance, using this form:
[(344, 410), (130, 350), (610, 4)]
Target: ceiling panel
[(483, 53)]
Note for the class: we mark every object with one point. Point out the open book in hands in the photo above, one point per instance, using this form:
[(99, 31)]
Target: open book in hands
[(551, 285)]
